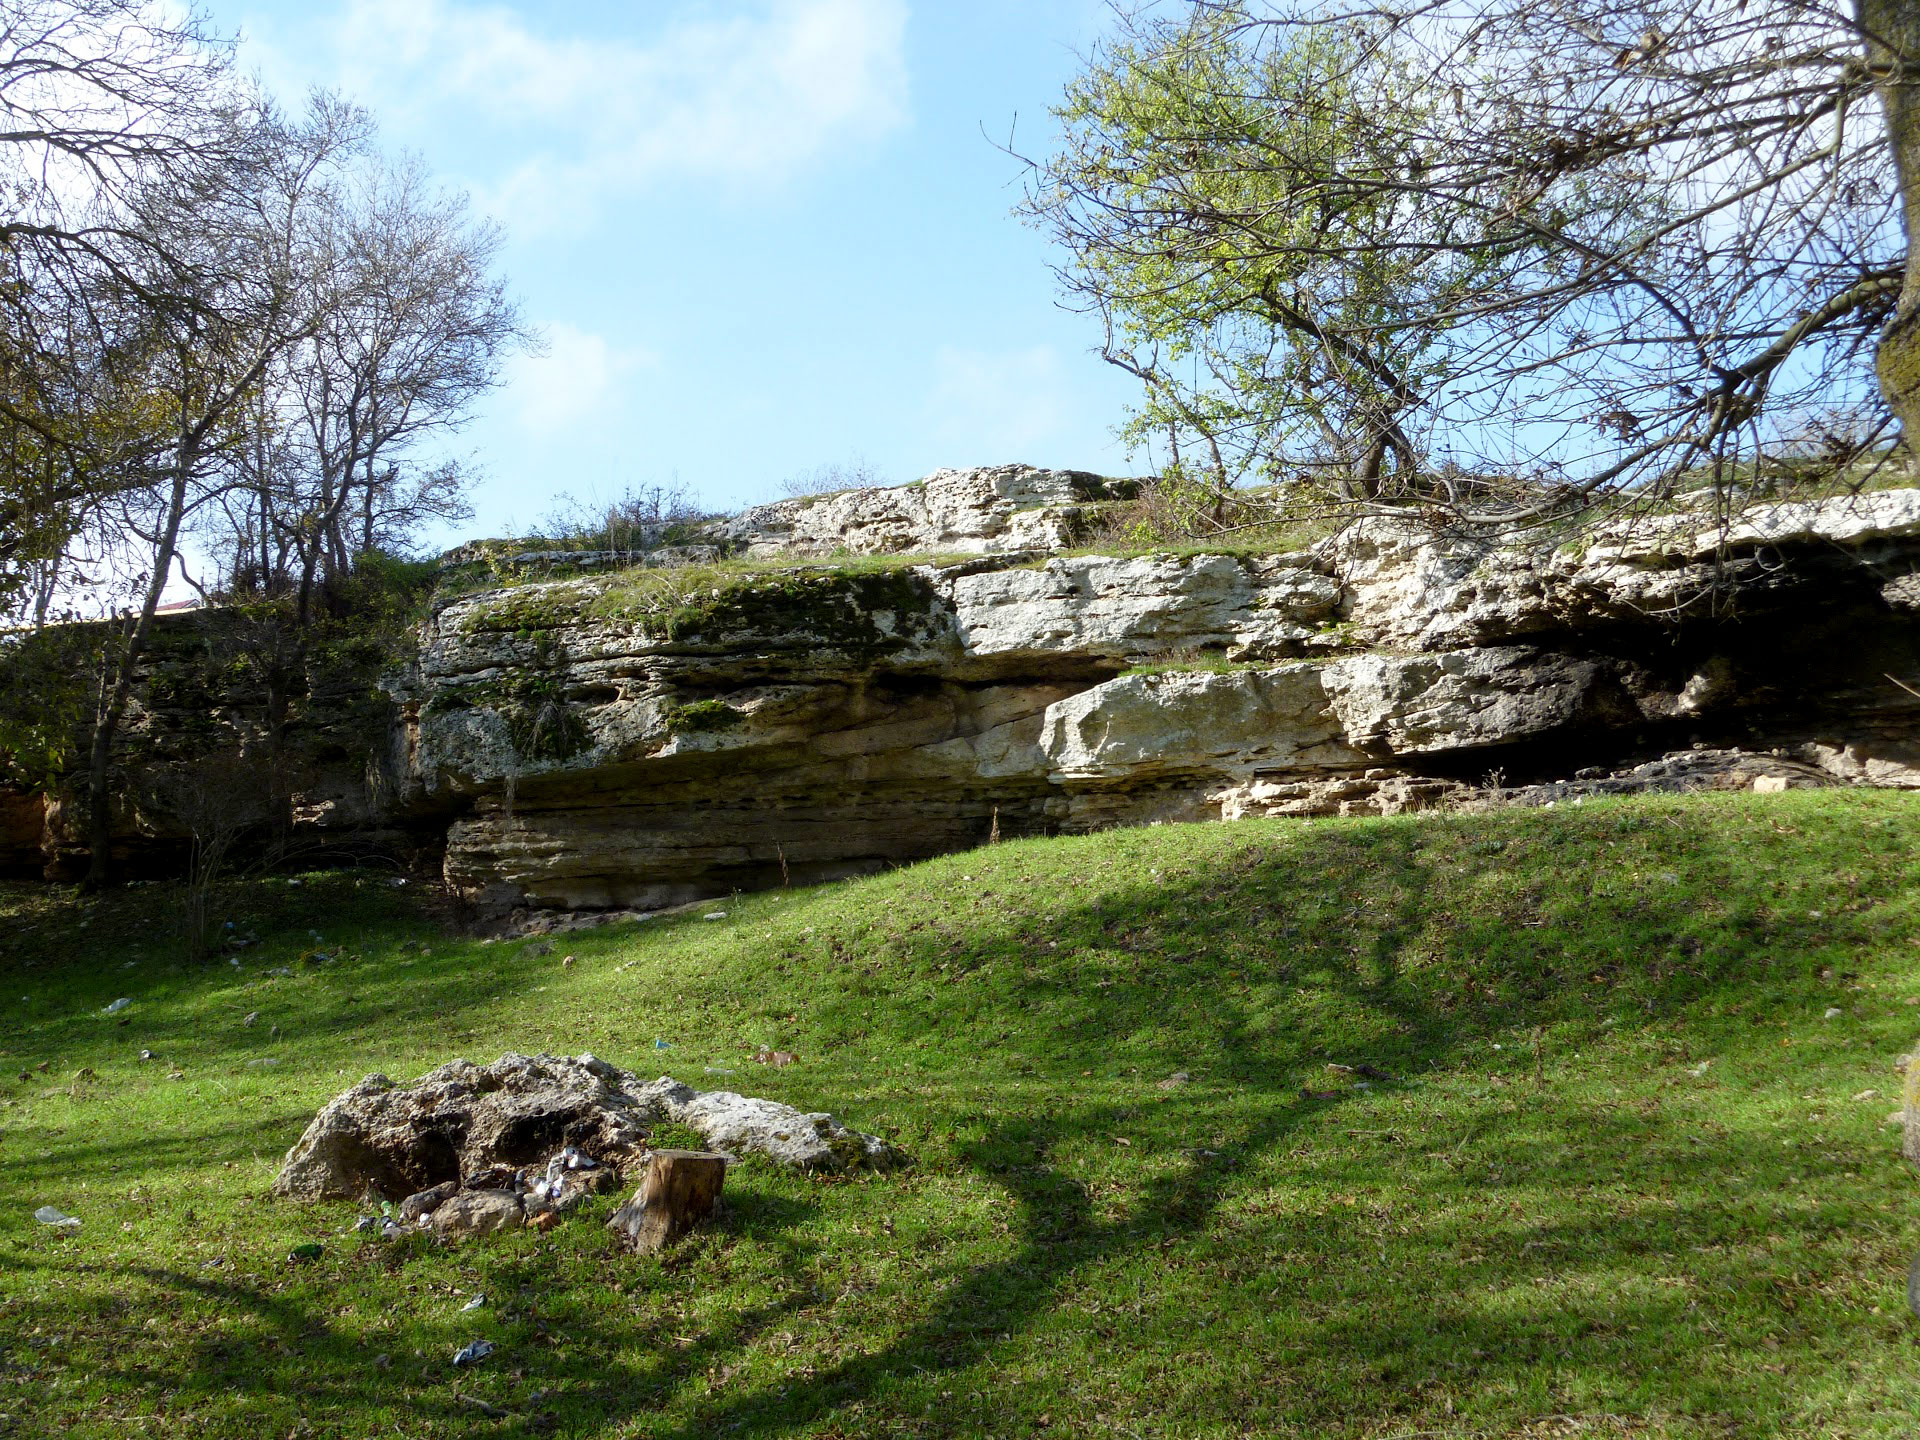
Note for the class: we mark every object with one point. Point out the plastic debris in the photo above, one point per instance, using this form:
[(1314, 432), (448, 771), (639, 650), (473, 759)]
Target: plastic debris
[(281, 972), (473, 1354), (148, 1055), (719, 1070), (59, 1219), (397, 881), (660, 1044), (716, 915), (301, 1253), (474, 1304), (117, 1006), (266, 1060), (368, 1222), (1834, 1012), (234, 960)]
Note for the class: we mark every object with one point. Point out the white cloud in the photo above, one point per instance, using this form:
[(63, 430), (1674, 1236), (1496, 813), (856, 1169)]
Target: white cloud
[(989, 407), (576, 378), (748, 97)]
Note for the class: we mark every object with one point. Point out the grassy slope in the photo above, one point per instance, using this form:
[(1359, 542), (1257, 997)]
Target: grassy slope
[(1554, 1223)]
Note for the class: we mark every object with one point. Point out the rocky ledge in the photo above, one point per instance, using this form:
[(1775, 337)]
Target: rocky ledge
[(952, 673), (733, 729)]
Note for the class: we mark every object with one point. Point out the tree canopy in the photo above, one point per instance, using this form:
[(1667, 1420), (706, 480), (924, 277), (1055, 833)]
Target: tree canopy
[(1498, 256)]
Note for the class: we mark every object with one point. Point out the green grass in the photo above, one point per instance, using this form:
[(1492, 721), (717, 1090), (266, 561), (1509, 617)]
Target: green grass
[(1627, 1180)]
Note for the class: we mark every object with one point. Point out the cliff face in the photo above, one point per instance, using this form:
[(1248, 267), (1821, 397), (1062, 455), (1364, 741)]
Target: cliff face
[(654, 736)]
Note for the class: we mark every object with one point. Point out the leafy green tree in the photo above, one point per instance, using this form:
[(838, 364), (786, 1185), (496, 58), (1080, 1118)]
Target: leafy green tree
[(1499, 256)]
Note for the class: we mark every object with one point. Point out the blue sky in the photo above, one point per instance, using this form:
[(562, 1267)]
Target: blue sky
[(759, 235)]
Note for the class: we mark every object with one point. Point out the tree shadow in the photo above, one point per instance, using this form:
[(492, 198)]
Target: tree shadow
[(1318, 1283)]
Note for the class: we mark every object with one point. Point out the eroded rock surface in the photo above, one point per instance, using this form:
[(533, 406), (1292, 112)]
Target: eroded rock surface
[(628, 742), (975, 511), (461, 1121)]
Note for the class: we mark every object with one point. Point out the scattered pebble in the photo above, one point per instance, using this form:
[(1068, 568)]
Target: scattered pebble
[(474, 1353)]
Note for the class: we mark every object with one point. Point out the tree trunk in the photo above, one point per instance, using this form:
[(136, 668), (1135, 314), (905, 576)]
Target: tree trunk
[(681, 1188), (1892, 29), (117, 684), (281, 673)]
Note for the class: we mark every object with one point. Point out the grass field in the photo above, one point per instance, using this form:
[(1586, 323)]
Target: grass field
[(1633, 1174)]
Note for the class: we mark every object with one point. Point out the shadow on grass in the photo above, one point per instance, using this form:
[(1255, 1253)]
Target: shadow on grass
[(1629, 1301)]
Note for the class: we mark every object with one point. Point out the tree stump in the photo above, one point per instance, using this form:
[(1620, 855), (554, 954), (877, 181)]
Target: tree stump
[(681, 1189)]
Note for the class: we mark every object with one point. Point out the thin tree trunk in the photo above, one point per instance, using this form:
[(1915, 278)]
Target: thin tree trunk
[(117, 685), (1893, 49)]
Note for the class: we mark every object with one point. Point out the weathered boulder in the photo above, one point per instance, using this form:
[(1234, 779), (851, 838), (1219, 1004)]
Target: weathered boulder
[(1407, 585), (741, 1124), (975, 511), (468, 1213), (460, 1121), (482, 1128), (1099, 608), (1314, 715)]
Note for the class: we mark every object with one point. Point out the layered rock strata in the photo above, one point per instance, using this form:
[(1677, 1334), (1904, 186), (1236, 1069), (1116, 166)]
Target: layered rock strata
[(657, 735), (811, 722)]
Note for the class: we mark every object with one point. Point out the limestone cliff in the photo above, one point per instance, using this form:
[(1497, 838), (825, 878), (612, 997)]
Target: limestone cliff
[(660, 734)]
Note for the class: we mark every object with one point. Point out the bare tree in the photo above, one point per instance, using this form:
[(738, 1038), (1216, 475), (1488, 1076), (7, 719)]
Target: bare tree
[(218, 800), (410, 326), (637, 519), (859, 473), (1500, 257), (221, 293), (97, 97)]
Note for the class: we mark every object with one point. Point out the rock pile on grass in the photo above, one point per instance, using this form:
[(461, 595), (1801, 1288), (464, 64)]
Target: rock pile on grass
[(472, 1148)]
